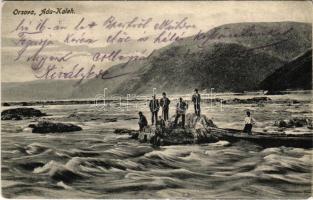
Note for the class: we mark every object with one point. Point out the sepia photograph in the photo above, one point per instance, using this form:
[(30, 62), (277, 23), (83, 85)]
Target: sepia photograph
[(156, 100)]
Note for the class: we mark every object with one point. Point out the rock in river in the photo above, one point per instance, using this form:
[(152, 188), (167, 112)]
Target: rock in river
[(196, 131), (53, 127), (20, 113), (294, 122)]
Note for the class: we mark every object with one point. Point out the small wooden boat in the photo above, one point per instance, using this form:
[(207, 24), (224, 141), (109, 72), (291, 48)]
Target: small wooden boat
[(265, 139)]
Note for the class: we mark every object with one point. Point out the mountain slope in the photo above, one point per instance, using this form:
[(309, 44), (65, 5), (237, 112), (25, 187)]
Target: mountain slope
[(284, 40), (236, 57), (223, 66), (296, 74)]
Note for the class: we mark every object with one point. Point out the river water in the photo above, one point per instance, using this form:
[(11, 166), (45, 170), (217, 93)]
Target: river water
[(96, 163)]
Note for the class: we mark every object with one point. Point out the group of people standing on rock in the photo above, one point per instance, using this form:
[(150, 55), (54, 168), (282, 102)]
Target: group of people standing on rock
[(181, 109), (164, 104)]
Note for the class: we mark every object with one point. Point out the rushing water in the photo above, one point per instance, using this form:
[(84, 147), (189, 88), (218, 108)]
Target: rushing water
[(96, 163)]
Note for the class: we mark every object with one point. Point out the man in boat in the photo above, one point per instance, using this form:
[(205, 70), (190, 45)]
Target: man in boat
[(249, 121), (154, 108), (196, 102), (164, 103), (142, 121), (181, 109)]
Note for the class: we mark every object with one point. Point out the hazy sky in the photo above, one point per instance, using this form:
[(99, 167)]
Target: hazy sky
[(204, 15)]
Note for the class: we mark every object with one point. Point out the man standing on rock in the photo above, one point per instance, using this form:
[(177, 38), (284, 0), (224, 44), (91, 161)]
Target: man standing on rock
[(165, 102), (196, 102), (142, 121), (154, 108), (181, 109)]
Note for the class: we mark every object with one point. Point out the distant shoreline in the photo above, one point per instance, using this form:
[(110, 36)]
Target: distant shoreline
[(251, 97)]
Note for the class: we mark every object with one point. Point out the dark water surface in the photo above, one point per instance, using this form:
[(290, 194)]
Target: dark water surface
[(96, 163)]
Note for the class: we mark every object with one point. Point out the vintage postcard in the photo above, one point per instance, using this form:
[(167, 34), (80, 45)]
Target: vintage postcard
[(156, 99)]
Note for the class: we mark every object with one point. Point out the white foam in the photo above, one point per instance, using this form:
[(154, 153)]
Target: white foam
[(63, 185)]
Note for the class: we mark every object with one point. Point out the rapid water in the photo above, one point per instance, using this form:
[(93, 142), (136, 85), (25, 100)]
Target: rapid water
[(96, 163)]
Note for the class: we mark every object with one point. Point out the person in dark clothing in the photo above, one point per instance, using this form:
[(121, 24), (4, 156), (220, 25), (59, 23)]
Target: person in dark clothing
[(154, 108), (196, 99), (160, 128), (248, 123), (142, 121), (161, 122), (181, 109), (164, 103)]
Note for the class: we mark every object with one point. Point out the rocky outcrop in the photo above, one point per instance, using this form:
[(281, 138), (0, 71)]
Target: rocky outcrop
[(193, 121), (5, 104), (294, 122), (52, 127), (196, 131), (247, 101), (177, 136), (20, 113), (10, 117)]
